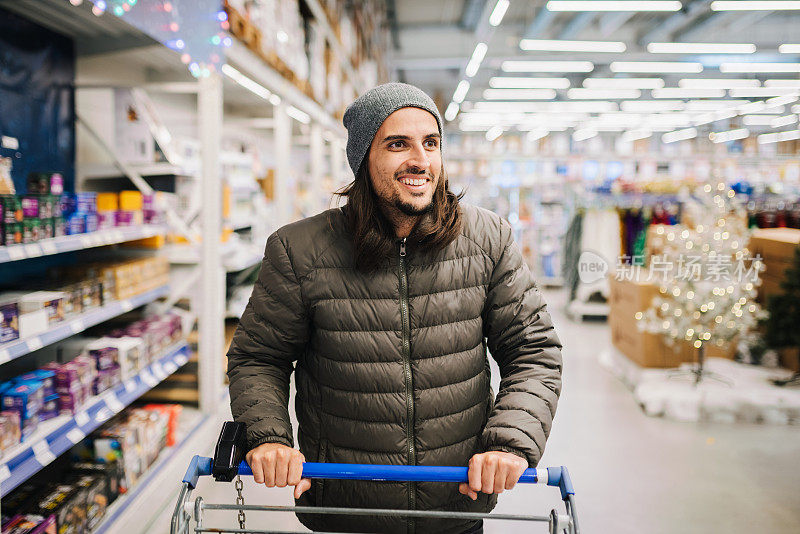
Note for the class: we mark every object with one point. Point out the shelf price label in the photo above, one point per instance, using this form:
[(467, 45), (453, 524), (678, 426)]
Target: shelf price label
[(81, 418), (75, 435), (148, 378), (34, 344), (4, 355), (16, 252), (113, 403), (130, 385), (42, 453)]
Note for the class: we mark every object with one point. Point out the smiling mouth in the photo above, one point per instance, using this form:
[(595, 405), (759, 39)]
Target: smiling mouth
[(413, 181)]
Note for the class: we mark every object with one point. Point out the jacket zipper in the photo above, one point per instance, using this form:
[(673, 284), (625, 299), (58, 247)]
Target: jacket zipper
[(409, 379)]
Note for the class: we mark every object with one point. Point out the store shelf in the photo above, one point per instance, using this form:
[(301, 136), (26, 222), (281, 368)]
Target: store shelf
[(58, 435), (20, 347), (69, 243), (151, 501), (100, 171), (233, 258)]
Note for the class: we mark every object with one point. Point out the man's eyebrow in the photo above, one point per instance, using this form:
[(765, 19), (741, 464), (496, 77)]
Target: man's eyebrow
[(406, 137)]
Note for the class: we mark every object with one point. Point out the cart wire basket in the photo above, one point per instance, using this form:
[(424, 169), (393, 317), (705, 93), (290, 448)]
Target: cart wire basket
[(227, 465)]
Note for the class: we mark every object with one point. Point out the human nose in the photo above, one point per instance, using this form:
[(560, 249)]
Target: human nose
[(419, 157)]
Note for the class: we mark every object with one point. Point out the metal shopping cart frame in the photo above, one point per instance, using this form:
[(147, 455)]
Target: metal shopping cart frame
[(227, 465)]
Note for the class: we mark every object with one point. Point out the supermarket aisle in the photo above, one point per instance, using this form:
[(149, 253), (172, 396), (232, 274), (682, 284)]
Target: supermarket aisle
[(632, 473)]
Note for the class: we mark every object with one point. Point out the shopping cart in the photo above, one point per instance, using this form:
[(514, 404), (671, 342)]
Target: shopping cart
[(227, 464)]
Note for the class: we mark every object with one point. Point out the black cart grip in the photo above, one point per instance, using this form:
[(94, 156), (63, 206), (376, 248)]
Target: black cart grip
[(229, 452)]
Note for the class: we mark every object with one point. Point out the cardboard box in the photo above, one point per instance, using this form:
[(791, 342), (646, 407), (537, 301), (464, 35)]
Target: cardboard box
[(647, 349), (776, 247)]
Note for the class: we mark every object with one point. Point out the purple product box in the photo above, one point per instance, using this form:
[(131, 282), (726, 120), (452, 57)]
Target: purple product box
[(9, 321), (87, 202), (26, 399), (30, 207), (50, 408), (106, 379), (69, 204), (30, 524), (91, 222), (70, 403), (105, 220), (75, 224), (105, 357), (127, 218)]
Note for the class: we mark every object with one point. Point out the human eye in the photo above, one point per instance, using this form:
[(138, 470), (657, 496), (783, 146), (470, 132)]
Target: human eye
[(396, 144), (432, 142)]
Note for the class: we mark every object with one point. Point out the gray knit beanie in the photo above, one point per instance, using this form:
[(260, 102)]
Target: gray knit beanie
[(365, 115)]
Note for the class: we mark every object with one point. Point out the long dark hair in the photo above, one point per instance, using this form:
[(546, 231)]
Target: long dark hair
[(374, 240)]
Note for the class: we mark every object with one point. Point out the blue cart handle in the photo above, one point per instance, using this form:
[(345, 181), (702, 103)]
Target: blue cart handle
[(552, 476)]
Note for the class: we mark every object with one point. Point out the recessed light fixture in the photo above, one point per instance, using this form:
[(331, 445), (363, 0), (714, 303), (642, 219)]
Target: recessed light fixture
[(789, 49), (582, 93), (572, 46), (786, 120), (584, 134), (461, 91), (730, 135), (795, 84), (623, 83), (519, 94), (498, 12), (778, 137), (759, 67), (680, 92), (508, 82), (760, 92), (755, 5), (451, 112), (701, 48), (477, 58), (652, 105), (494, 132), (656, 66), (618, 5), (679, 135), (635, 135), (717, 83), (547, 66)]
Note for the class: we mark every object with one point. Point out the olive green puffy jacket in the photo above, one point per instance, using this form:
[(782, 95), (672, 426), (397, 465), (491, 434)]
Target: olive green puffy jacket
[(391, 367)]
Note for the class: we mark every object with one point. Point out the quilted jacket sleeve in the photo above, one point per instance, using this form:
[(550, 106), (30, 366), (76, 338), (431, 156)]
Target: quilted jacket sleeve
[(270, 337), (522, 340)]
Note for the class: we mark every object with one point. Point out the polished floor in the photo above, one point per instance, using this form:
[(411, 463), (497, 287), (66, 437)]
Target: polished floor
[(632, 473)]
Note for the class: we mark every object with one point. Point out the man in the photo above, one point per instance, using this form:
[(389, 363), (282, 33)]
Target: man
[(385, 309)]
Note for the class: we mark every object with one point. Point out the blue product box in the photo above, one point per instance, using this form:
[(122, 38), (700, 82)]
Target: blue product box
[(45, 376), (92, 222), (87, 202), (26, 399), (75, 224)]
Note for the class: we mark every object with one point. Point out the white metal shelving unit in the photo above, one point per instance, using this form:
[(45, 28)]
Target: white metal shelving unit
[(138, 62)]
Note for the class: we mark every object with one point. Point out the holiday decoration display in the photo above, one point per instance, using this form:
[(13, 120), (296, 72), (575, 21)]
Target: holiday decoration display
[(782, 330), (708, 278)]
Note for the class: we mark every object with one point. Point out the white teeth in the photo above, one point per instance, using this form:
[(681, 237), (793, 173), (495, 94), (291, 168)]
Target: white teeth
[(414, 181)]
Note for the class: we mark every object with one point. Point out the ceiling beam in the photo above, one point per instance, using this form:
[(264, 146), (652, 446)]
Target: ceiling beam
[(701, 28), (540, 23), (674, 22), (471, 14), (611, 22), (391, 15), (577, 25)]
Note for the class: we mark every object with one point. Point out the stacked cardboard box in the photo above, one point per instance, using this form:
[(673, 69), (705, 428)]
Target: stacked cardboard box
[(776, 247), (647, 349)]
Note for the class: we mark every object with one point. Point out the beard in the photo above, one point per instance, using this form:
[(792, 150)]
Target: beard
[(412, 211)]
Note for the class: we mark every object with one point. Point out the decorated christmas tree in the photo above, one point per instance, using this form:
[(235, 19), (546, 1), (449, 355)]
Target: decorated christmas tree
[(782, 330), (708, 279)]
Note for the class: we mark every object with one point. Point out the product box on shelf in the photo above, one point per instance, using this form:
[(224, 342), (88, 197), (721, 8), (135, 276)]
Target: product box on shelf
[(44, 183), (26, 400), (776, 247), (110, 473), (67, 503), (10, 430), (645, 348), (53, 302), (47, 378), (9, 319), (95, 495), (33, 323), (31, 524)]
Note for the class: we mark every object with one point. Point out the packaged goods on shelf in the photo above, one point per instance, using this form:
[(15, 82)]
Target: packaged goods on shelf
[(10, 430), (26, 399), (6, 183), (45, 183), (66, 502), (31, 524), (9, 319)]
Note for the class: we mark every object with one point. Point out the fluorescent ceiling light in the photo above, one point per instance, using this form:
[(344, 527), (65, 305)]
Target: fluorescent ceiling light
[(538, 127), (584, 134), (701, 48), (680, 92), (494, 132), (572, 46), (760, 92), (461, 91), (679, 135), (652, 105), (786, 120), (536, 134), (251, 85), (782, 100), (759, 67), (717, 83), (791, 135), (507, 82), (298, 115), (451, 111), (789, 49), (475, 61), (547, 66), (656, 66), (713, 105), (599, 106), (755, 5), (730, 135), (618, 5), (467, 127), (623, 83), (757, 120), (635, 135), (582, 93), (519, 94), (796, 109), (795, 84), (498, 12)]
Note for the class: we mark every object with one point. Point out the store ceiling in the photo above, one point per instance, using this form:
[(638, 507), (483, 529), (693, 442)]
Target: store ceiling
[(436, 39)]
